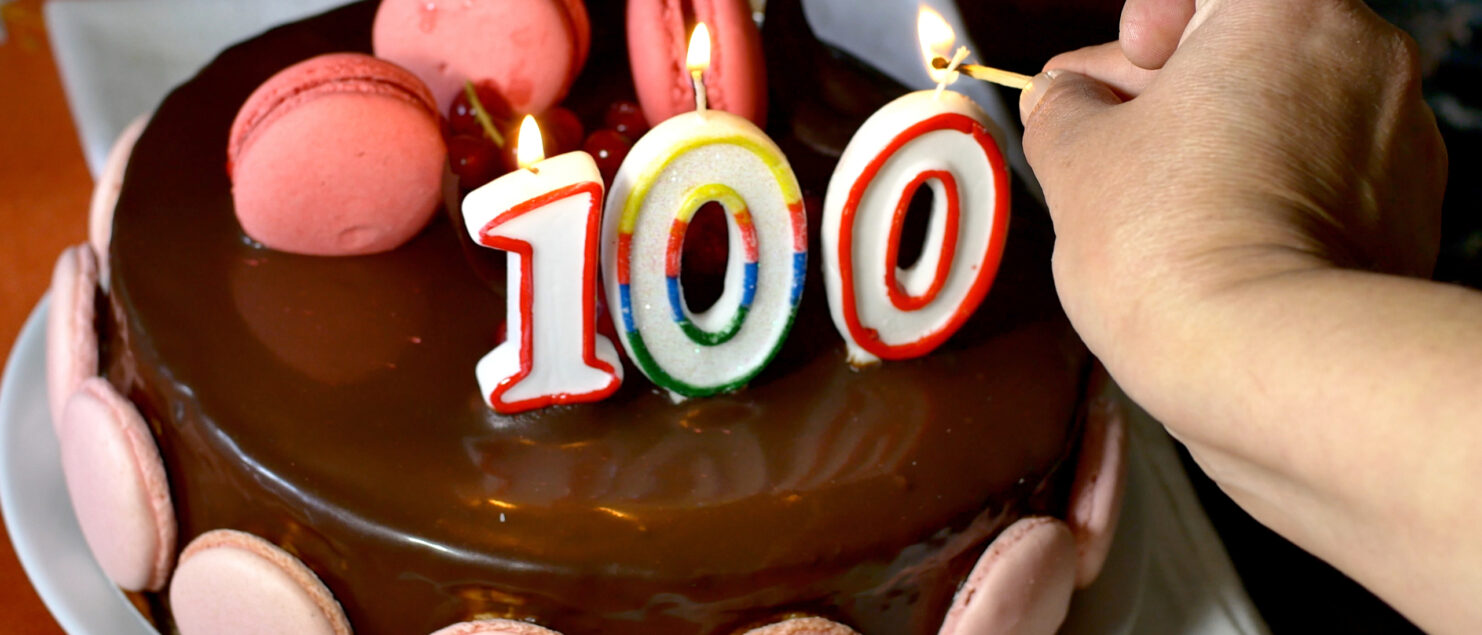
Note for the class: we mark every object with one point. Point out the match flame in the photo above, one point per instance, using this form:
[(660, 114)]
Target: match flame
[(698, 56), (936, 38), (530, 148)]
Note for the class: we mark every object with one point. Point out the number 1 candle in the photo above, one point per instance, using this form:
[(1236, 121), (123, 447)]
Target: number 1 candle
[(938, 139), (680, 165), (546, 214)]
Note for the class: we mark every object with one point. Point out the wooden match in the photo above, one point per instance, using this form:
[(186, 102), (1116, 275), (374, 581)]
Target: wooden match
[(986, 73)]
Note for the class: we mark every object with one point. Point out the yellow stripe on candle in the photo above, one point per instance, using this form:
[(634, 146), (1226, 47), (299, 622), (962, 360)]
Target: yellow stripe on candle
[(699, 195), (776, 163)]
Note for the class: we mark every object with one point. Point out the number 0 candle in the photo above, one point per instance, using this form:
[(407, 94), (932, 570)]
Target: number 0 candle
[(937, 139), (546, 214), (680, 165)]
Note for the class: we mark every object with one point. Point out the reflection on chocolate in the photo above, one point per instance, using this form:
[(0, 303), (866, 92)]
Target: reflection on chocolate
[(845, 447), (862, 496), (310, 312), (486, 264), (712, 452)]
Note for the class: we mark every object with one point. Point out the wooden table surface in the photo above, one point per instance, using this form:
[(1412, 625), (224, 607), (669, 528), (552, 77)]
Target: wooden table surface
[(44, 192)]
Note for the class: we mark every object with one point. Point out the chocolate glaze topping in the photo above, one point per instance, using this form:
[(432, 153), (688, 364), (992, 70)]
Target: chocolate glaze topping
[(329, 405)]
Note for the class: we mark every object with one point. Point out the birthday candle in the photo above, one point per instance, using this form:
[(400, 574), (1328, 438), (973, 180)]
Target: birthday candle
[(937, 139), (678, 166), (546, 214)]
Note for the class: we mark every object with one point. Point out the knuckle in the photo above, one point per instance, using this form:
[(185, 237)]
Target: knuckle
[(1404, 55)]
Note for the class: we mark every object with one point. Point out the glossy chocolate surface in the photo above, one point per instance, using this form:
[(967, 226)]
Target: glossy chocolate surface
[(329, 405)]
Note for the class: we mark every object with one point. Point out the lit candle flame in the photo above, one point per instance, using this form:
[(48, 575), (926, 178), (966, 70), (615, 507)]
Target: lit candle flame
[(697, 58), (529, 148), (936, 37)]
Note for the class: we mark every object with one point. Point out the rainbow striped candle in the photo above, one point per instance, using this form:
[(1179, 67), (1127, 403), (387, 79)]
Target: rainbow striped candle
[(679, 166)]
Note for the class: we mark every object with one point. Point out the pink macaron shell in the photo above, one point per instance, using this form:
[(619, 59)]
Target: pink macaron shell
[(658, 34), (117, 485), (495, 627), (331, 72), (338, 155), (233, 583), (530, 51), (105, 193), (581, 28), (1100, 480), (1022, 584), (71, 339), (803, 626)]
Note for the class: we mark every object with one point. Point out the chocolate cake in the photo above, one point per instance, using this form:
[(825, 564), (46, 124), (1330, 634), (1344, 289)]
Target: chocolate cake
[(329, 405)]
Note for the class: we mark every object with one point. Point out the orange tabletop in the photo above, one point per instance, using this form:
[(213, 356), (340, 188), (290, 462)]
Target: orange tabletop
[(44, 191)]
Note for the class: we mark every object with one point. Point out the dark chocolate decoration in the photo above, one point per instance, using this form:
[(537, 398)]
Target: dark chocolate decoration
[(329, 405)]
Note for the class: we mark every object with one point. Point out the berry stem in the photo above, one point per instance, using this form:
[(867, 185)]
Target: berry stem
[(482, 115)]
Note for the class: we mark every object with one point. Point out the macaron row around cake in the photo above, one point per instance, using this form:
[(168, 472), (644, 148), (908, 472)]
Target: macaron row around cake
[(261, 370)]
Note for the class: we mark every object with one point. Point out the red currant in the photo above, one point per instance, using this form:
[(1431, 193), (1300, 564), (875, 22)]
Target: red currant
[(463, 120), (475, 160), (626, 118), (561, 131), (509, 155), (608, 149)]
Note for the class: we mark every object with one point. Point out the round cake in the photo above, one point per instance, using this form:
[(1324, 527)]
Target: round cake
[(329, 405)]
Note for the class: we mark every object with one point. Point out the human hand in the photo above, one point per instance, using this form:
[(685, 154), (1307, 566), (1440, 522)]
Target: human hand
[(1234, 185), (1227, 144)]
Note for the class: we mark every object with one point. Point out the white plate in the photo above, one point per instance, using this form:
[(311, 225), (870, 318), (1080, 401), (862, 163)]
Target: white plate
[(38, 513)]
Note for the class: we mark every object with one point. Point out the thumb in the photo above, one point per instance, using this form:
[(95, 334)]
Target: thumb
[(1054, 106)]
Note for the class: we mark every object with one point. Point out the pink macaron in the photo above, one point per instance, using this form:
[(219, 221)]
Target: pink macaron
[(494, 627), (341, 154), (803, 626), (658, 40), (117, 484), (528, 51), (1022, 584), (71, 339), (233, 583), (105, 193), (1100, 478)]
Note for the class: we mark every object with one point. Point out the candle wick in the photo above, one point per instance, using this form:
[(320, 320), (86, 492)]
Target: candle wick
[(699, 89), (949, 71)]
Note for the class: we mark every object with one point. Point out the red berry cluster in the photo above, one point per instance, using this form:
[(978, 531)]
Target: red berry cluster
[(481, 132), (481, 129), (610, 145)]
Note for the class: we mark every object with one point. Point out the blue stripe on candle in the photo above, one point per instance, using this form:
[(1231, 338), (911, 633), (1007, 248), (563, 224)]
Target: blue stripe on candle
[(676, 303), (799, 272), (625, 295), (748, 285)]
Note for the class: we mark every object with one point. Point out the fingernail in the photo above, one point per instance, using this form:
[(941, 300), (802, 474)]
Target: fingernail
[(1035, 91)]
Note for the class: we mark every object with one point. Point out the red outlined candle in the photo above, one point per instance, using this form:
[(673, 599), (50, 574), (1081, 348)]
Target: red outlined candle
[(934, 139), (548, 216)]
